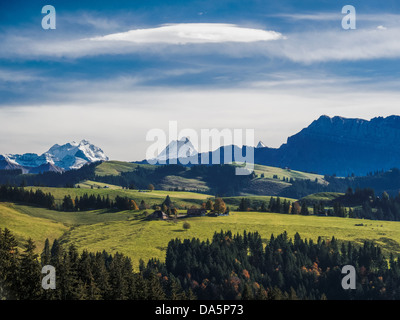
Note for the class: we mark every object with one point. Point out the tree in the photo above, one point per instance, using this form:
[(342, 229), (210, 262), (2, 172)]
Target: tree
[(263, 206), (8, 265), (186, 225), (46, 255), (68, 203), (209, 205), (219, 205), (304, 209), (295, 208), (133, 205), (143, 205), (150, 187), (30, 273), (167, 201)]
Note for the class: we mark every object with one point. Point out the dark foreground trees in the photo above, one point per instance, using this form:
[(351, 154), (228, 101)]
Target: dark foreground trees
[(83, 276), (241, 266)]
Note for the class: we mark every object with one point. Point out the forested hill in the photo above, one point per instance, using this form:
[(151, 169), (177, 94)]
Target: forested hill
[(216, 179)]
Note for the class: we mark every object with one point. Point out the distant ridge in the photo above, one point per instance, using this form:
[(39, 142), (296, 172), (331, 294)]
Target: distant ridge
[(341, 146)]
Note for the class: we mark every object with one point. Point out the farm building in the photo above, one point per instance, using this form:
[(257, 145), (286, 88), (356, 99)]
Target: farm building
[(196, 212), (158, 215)]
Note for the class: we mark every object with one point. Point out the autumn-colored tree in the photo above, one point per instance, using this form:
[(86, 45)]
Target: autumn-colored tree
[(150, 187), (246, 274), (219, 205), (209, 205), (133, 205), (295, 208)]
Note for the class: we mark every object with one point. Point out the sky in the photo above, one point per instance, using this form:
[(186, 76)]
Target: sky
[(112, 71)]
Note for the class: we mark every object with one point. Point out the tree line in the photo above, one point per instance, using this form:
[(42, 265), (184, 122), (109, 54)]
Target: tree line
[(370, 206), (276, 205), (79, 276), (240, 267), (229, 266), (82, 203)]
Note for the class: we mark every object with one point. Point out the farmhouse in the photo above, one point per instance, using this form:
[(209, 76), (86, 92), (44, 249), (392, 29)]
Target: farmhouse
[(196, 212), (158, 215)]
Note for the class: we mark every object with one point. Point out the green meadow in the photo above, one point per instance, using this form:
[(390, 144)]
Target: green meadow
[(270, 172), (25, 224), (129, 233), (115, 168)]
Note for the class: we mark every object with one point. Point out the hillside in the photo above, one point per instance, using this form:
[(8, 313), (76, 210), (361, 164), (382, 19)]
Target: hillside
[(24, 223), (127, 232), (115, 168), (267, 180)]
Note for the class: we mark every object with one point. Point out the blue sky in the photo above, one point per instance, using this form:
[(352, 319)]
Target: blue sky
[(113, 70)]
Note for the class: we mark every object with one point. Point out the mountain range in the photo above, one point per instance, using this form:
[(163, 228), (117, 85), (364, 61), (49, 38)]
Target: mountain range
[(333, 145), (340, 146), (58, 158), (329, 145)]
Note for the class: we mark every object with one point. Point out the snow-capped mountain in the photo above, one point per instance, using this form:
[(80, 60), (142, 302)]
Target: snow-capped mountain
[(261, 145), (177, 149), (72, 155)]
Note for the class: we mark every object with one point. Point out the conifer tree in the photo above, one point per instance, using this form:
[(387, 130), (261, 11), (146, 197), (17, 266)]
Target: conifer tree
[(46, 254), (29, 273)]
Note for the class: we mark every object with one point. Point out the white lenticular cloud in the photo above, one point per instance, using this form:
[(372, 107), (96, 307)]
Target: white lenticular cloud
[(193, 33)]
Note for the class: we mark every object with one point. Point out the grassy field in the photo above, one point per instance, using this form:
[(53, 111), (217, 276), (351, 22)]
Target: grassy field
[(270, 172), (323, 196), (116, 167), (96, 185), (146, 239), (26, 226), (129, 233)]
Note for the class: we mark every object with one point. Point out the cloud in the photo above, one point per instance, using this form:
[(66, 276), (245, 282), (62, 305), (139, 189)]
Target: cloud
[(185, 33), (337, 16), (338, 45)]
